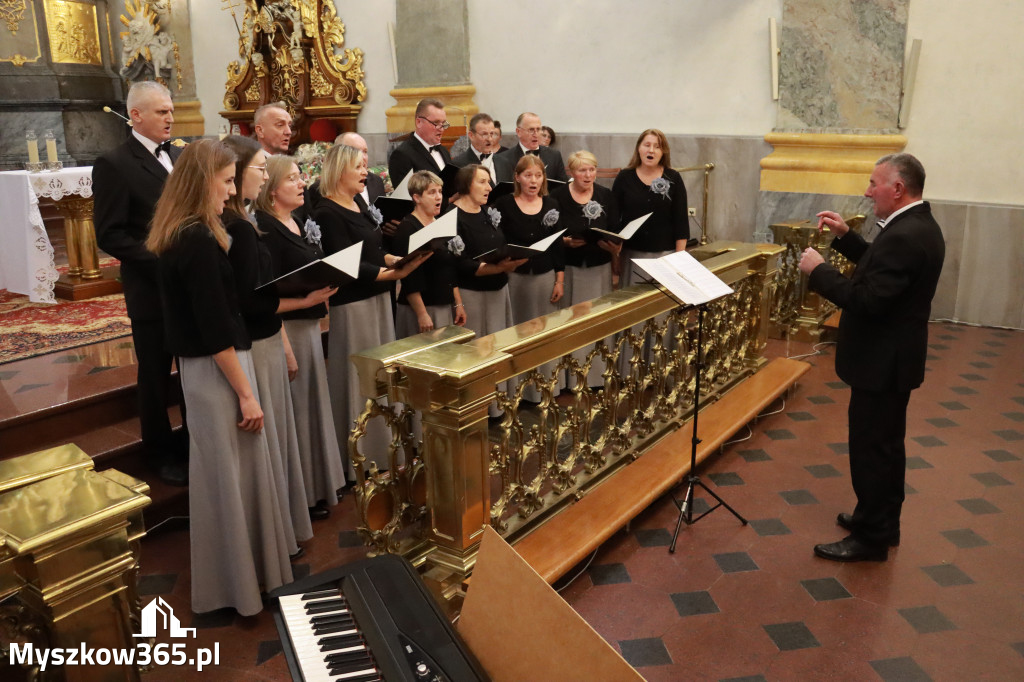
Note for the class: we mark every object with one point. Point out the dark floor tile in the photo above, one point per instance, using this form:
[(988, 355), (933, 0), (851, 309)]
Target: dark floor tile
[(157, 583), (938, 346), (995, 344), (839, 448), (838, 385), (926, 619), (644, 652), (953, 405), (779, 434), (820, 400), (757, 455), (990, 479), (918, 463), (1016, 399), (267, 650), (980, 364), (973, 377), (987, 354), (1014, 416), (825, 589), (903, 669), (300, 571), (609, 574), (947, 575), (963, 390), (942, 422), (7, 375), (801, 416), (126, 344), (791, 636), (928, 441), (735, 562), (1000, 455), (964, 538), (349, 538), (694, 603), (1018, 647), (822, 471), (796, 497), (978, 506), (932, 358), (766, 527), (68, 359), (653, 537), (99, 368), (909, 489), (1006, 434), (30, 387), (221, 618), (726, 478)]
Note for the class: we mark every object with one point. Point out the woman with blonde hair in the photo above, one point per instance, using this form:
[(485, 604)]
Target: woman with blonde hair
[(238, 534)]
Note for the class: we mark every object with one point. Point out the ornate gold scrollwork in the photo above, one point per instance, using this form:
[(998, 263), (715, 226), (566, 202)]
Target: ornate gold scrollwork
[(252, 93), (74, 35), (12, 12)]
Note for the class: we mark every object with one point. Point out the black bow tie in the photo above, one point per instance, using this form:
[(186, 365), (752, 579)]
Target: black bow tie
[(164, 146), (535, 152), (436, 148), (484, 155)]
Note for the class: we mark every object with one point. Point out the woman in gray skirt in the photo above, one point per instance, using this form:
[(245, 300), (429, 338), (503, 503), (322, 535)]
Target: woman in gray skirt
[(290, 247), (361, 311), (238, 534)]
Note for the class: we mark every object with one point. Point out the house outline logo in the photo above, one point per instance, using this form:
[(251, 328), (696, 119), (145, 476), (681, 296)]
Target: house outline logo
[(160, 611)]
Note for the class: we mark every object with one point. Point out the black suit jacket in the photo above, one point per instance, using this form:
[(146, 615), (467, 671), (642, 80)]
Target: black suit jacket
[(505, 163), (126, 184), (411, 155), (883, 332), (465, 158)]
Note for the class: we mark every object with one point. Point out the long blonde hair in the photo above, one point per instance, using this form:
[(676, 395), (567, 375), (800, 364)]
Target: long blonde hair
[(186, 199), (339, 159)]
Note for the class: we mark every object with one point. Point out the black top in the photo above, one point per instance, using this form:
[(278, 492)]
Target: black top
[(480, 235), (197, 290), (670, 220), (340, 228), (288, 251), (578, 226), (523, 229), (252, 266), (435, 278)]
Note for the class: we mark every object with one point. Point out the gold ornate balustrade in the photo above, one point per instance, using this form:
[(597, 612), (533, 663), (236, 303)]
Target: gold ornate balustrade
[(797, 312), (441, 491)]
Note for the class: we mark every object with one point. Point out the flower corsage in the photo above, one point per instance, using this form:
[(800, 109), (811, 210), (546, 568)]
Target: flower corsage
[(456, 245), (550, 218), (495, 216), (312, 231), (661, 186), (592, 210)]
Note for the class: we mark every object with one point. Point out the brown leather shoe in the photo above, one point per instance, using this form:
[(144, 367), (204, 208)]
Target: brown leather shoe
[(851, 549), (845, 521)]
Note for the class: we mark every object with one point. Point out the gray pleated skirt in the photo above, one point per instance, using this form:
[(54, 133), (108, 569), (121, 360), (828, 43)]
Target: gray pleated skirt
[(406, 323), (531, 297), (279, 423), (586, 284), (488, 312), (323, 471), (238, 531), (355, 327)]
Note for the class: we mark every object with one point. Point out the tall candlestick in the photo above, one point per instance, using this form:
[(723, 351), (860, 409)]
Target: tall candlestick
[(51, 147), (33, 146)]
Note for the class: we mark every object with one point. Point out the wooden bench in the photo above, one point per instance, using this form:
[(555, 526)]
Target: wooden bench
[(569, 537)]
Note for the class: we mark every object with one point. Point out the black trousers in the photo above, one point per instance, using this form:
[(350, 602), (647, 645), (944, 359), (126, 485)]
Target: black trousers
[(878, 462), (153, 393)]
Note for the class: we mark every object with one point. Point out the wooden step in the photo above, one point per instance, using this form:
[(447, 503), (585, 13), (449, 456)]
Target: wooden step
[(569, 537)]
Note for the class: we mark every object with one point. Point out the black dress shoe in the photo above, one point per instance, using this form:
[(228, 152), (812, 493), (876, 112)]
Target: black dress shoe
[(298, 554), (845, 521), (318, 513), (851, 549), (174, 473)]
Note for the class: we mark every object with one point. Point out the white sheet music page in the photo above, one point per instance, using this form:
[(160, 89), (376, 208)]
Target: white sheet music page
[(685, 277), (346, 260), (543, 244), (402, 191), (445, 226)]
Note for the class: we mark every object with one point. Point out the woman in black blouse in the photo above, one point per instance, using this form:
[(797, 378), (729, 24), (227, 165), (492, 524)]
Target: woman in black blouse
[(650, 185), (588, 258), (239, 540), (429, 296), (361, 311)]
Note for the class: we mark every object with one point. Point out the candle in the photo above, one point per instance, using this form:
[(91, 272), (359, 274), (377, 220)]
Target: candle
[(51, 147), (33, 146)]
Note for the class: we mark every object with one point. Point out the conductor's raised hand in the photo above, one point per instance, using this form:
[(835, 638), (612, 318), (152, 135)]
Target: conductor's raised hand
[(834, 222), (809, 260)]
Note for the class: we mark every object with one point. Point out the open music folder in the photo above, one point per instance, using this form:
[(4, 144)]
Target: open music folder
[(625, 233), (331, 271), (684, 277), (517, 251), (431, 237)]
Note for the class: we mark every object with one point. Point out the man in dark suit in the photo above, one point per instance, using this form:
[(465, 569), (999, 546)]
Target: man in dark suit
[(482, 139), (423, 150), (126, 185), (528, 132), (883, 337), (272, 125)]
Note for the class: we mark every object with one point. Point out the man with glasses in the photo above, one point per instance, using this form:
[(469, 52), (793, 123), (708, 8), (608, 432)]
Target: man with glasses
[(528, 132), (423, 150), (482, 138)]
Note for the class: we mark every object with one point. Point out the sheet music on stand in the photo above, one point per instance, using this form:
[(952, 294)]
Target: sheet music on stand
[(686, 279)]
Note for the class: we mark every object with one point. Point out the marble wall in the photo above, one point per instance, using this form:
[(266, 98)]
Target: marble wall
[(431, 43)]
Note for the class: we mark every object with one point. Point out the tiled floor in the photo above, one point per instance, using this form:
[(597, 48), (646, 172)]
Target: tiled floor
[(751, 602)]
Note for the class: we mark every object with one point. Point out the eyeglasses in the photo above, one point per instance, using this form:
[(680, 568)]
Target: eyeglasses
[(443, 125), (260, 168), (532, 131)]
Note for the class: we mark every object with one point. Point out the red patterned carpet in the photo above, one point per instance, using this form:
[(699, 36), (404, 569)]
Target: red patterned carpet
[(31, 329)]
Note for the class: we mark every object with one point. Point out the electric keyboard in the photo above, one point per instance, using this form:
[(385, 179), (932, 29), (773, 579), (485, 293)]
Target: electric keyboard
[(369, 620)]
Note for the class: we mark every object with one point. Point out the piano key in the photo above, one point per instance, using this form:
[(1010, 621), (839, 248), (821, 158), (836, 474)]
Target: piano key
[(319, 594), (331, 619), (361, 676)]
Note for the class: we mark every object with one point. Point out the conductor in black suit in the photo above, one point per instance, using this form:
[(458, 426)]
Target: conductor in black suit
[(528, 131), (883, 337), (482, 138), (127, 182), (423, 150)]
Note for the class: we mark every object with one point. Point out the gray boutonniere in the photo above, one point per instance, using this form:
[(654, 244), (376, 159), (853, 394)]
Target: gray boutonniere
[(456, 245), (661, 186), (550, 218), (312, 231), (375, 214), (495, 216), (592, 210)]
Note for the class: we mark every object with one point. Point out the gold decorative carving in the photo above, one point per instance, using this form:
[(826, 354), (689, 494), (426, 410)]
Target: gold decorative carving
[(74, 32), (252, 93), (319, 85), (12, 12), (20, 60)]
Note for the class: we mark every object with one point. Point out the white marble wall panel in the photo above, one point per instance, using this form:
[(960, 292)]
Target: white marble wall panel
[(991, 283), (952, 218)]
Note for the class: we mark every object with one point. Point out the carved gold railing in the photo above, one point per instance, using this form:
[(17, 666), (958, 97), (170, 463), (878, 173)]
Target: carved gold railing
[(797, 312), (513, 475)]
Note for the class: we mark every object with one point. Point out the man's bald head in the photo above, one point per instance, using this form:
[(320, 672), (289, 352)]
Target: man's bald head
[(354, 140)]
